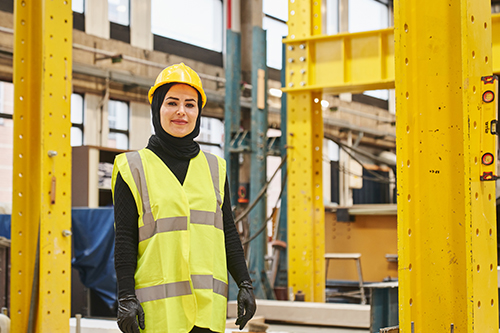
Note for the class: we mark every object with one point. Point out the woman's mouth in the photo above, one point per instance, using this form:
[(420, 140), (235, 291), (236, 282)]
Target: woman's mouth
[(179, 122)]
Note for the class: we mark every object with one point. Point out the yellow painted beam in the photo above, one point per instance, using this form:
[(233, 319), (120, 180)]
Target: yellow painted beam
[(446, 214), (306, 229), (356, 62), (41, 209)]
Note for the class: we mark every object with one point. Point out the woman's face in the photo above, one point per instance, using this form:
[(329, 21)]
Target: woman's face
[(179, 110)]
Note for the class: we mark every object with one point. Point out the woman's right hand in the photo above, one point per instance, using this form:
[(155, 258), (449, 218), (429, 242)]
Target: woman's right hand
[(130, 315)]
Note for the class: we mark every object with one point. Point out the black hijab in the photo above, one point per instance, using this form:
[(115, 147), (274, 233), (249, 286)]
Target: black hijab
[(184, 148)]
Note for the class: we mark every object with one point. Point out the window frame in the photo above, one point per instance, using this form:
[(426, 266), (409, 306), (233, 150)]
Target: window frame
[(120, 131), (82, 125)]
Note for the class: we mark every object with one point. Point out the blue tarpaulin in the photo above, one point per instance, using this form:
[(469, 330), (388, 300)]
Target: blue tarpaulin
[(94, 249)]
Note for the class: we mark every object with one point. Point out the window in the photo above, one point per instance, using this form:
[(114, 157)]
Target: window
[(365, 15), (196, 22), (119, 11), (78, 6), (276, 16), (76, 120), (6, 140), (332, 17), (118, 118), (211, 136)]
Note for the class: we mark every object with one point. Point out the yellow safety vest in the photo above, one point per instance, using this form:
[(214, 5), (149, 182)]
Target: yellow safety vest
[(181, 275)]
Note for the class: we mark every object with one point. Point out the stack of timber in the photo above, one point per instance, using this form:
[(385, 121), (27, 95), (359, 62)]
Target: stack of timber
[(309, 313)]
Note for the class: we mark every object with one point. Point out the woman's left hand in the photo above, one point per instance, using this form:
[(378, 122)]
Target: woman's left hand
[(246, 304)]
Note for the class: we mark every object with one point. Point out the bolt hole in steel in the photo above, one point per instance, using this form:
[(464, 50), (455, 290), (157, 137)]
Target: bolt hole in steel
[(475, 124), (409, 267), (409, 232), (490, 232), (472, 18), (492, 302), (475, 160), (407, 95), (409, 197), (407, 129), (474, 56), (485, 25), (478, 268), (486, 59), (406, 61), (477, 232), (406, 27), (491, 267), (411, 301), (479, 304), (477, 196)]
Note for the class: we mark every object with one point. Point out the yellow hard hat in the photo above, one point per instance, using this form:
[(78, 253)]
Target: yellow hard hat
[(179, 73)]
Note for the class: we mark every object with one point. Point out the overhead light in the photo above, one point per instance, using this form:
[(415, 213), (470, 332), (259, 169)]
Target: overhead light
[(324, 103), (275, 92)]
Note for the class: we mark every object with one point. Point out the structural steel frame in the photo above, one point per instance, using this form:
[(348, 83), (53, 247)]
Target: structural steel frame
[(360, 61), (41, 208), (306, 220), (446, 213)]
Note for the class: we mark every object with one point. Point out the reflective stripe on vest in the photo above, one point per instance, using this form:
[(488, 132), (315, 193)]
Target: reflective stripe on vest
[(161, 291), (181, 288), (151, 226)]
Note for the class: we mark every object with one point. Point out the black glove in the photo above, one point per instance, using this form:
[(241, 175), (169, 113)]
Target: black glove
[(246, 303), (128, 309)]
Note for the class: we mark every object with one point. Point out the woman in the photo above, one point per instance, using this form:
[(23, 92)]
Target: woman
[(175, 233)]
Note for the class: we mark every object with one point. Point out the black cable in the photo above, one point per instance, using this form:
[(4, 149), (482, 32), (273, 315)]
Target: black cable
[(261, 193), (263, 227)]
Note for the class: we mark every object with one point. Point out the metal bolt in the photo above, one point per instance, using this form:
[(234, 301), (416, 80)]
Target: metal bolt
[(52, 153), (290, 84), (66, 233), (290, 60), (302, 71), (302, 46), (302, 58), (290, 48), (302, 83)]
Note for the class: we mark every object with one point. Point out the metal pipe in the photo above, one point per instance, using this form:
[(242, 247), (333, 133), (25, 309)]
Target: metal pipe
[(78, 323)]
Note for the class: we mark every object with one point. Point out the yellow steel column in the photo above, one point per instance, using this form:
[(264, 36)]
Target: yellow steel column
[(41, 210), (306, 230), (446, 214)]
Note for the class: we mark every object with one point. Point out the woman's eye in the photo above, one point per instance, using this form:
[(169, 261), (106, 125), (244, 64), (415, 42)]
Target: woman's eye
[(172, 104), (190, 105)]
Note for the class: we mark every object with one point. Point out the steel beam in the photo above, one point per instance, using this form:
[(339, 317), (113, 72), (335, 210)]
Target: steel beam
[(232, 108), (356, 62), (258, 165), (446, 214), (41, 205), (306, 229)]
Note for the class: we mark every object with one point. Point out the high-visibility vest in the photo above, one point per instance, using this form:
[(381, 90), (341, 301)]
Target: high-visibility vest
[(181, 276)]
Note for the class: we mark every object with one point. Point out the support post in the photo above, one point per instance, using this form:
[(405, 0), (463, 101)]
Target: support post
[(282, 278), (41, 205), (257, 216), (232, 112), (306, 219), (446, 213)]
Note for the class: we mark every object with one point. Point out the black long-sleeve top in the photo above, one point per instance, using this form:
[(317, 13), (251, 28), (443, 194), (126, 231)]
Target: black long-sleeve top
[(127, 240)]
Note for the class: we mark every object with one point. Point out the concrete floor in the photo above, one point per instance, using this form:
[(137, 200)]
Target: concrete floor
[(279, 328), (109, 326)]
